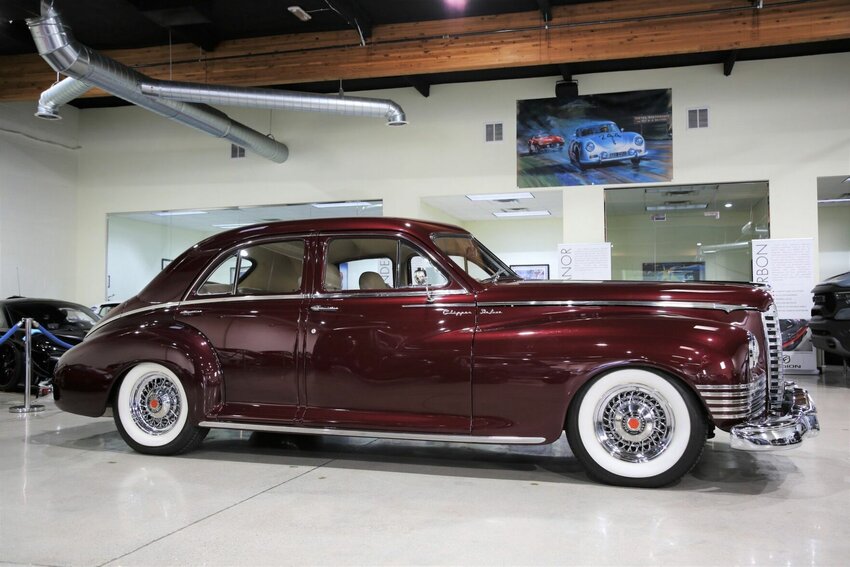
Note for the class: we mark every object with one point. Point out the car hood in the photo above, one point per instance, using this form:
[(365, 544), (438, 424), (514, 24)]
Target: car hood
[(607, 141), (732, 294), (841, 280)]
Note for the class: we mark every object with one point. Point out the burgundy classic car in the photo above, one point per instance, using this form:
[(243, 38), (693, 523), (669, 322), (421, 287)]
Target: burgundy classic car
[(413, 330)]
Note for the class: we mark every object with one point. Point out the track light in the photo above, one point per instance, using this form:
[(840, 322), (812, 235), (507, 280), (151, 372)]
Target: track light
[(300, 13)]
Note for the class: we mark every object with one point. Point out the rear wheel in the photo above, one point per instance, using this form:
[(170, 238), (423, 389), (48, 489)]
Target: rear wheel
[(635, 427), (11, 367), (151, 412)]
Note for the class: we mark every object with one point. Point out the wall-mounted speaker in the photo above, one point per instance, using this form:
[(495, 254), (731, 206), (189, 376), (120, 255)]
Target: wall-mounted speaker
[(566, 89)]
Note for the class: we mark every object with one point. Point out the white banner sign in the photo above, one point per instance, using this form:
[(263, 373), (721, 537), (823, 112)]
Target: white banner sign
[(583, 261), (786, 264)]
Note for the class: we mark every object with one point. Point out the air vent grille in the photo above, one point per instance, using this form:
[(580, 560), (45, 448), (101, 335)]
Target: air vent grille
[(697, 118), (493, 132), (236, 151)]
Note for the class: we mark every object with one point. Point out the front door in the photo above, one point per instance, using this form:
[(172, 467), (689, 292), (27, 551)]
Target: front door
[(388, 340), (250, 308)]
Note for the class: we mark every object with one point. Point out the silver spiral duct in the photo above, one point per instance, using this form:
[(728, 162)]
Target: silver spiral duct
[(274, 99), (67, 56), (61, 93)]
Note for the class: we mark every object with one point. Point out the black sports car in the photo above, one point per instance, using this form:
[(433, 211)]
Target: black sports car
[(830, 321), (67, 321)]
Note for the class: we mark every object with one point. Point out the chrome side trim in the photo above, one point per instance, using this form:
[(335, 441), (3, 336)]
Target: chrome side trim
[(497, 440), (229, 299), (438, 305), (103, 323), (668, 304), (354, 294), (731, 387)]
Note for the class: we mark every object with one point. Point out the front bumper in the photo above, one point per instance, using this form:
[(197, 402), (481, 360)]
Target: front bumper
[(798, 420)]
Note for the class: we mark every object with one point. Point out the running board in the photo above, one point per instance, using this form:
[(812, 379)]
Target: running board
[(493, 440)]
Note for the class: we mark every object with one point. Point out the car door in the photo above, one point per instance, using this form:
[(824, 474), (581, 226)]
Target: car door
[(250, 308), (389, 339)]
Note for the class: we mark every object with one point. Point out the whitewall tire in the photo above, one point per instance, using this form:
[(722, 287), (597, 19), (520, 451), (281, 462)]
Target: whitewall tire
[(151, 412), (635, 427)]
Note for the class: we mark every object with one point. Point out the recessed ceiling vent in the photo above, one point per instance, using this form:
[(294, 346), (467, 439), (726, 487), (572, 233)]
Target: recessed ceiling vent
[(697, 118), (493, 132), (236, 152)]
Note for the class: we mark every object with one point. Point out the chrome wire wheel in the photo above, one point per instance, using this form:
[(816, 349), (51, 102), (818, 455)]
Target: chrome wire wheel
[(636, 427), (155, 403), (634, 424)]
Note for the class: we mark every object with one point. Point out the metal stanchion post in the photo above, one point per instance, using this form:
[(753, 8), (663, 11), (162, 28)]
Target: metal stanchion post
[(27, 407)]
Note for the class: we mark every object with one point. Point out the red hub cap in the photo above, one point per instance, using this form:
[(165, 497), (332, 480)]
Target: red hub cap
[(633, 423)]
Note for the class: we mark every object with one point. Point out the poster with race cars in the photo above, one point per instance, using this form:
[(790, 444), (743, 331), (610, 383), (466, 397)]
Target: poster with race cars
[(601, 139)]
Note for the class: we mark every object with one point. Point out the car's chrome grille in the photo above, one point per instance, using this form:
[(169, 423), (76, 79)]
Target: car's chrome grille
[(775, 368), (735, 401)]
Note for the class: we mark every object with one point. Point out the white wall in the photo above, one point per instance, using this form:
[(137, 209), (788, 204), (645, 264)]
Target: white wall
[(786, 121), (38, 220), (521, 241), (834, 237), (136, 250)]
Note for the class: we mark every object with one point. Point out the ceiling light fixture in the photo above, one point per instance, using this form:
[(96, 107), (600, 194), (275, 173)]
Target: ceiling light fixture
[(178, 213), (506, 214), (300, 13), (846, 179), (233, 225), (830, 201), (728, 205), (500, 196), (676, 207), (342, 204)]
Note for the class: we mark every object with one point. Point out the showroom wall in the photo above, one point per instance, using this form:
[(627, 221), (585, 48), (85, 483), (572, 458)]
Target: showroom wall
[(38, 217), (136, 250), (521, 241), (786, 121), (834, 238)]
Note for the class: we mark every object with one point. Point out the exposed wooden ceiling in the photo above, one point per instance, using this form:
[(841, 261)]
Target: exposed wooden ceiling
[(547, 39)]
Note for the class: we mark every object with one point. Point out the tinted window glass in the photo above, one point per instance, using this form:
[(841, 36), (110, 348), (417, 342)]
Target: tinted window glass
[(271, 268), (378, 263), (66, 317), (221, 280)]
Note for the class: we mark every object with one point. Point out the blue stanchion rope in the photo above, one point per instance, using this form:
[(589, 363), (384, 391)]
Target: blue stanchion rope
[(51, 336), (10, 332)]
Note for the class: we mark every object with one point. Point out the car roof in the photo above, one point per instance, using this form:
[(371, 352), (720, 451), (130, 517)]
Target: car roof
[(422, 229)]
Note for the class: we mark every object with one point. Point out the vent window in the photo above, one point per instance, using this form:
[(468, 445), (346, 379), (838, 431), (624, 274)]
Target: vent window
[(236, 151), (697, 118), (493, 132)]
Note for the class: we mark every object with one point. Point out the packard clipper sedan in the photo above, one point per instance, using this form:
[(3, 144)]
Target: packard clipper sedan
[(404, 329)]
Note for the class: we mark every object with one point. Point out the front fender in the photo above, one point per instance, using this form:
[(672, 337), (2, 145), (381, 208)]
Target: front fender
[(88, 375), (528, 368)]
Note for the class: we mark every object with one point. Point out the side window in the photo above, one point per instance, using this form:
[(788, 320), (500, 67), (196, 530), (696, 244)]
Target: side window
[(417, 270), (376, 264), (360, 263), (221, 281), (272, 268)]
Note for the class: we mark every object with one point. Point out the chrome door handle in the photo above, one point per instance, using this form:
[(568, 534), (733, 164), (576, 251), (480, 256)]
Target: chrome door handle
[(323, 308), (190, 312)]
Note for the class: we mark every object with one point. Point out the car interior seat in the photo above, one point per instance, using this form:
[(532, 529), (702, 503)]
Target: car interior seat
[(372, 280)]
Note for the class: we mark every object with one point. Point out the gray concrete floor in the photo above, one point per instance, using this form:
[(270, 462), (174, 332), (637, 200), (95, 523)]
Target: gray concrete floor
[(72, 493)]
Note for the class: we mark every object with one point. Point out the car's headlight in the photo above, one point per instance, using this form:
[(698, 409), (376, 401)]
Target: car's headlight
[(638, 141), (589, 147)]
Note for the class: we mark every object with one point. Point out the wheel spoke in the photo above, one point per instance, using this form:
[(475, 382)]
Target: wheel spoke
[(633, 424)]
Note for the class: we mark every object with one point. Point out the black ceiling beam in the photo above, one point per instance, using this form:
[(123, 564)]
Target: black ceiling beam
[(729, 62), (189, 20), (354, 14), (566, 71), (545, 10), (420, 84)]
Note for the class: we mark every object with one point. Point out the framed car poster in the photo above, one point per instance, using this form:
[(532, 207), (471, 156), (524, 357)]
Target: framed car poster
[(601, 139)]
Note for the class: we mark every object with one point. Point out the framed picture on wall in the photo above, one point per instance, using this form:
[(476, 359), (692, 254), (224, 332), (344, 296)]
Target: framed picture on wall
[(531, 271)]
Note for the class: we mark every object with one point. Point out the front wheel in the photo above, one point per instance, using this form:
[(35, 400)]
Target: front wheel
[(11, 367), (151, 412), (637, 428)]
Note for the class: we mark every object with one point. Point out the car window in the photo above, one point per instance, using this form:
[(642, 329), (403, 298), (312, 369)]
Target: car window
[(55, 317), (221, 280), (272, 268), (377, 264), (472, 257)]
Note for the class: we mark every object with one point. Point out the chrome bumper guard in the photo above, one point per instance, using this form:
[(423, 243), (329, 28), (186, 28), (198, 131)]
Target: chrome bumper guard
[(798, 420)]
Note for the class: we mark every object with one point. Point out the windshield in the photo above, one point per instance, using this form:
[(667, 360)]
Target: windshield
[(472, 257), (608, 127), (65, 317)]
